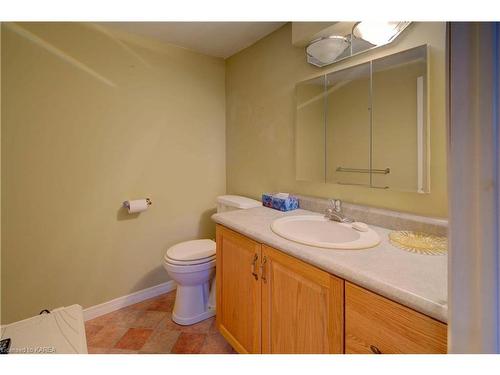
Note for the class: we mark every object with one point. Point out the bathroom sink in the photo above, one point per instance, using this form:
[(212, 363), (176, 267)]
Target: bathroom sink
[(316, 230)]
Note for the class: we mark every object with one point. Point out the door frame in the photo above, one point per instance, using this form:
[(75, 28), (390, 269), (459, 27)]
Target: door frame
[(473, 61)]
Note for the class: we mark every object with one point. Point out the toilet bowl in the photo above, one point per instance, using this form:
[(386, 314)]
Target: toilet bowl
[(191, 264)]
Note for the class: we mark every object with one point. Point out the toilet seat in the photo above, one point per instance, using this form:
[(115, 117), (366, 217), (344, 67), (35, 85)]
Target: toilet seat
[(188, 262), (190, 253), (188, 268)]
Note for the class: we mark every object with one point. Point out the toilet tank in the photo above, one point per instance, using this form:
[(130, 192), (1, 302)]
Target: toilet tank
[(235, 202)]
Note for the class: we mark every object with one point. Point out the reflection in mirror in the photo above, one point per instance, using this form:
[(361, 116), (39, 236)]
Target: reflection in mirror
[(310, 130), (367, 125), (399, 121), (348, 126)]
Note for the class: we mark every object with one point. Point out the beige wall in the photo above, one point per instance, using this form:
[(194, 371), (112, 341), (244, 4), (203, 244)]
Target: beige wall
[(91, 118), (310, 131), (260, 110)]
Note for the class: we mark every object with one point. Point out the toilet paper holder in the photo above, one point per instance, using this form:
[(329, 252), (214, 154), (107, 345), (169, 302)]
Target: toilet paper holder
[(126, 204)]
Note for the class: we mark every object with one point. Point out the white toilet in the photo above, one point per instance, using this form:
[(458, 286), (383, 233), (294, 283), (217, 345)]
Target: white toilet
[(191, 265)]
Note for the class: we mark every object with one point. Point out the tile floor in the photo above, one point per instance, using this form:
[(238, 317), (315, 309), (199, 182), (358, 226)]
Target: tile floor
[(147, 327)]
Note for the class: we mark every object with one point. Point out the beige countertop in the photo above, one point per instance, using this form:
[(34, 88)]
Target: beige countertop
[(414, 280)]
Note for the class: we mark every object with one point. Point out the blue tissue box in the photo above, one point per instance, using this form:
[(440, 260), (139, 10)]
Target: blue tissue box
[(282, 204)]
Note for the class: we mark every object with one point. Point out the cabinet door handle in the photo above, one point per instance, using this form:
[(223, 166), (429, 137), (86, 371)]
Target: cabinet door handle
[(375, 350), (254, 262), (262, 269)]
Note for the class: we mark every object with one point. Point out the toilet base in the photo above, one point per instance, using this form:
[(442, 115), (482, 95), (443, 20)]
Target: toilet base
[(194, 319), (193, 303)]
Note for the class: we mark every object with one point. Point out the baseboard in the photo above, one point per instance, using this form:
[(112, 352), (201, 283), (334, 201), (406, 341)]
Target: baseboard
[(121, 302)]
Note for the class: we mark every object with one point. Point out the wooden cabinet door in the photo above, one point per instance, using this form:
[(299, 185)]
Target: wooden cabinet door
[(238, 290), (375, 324), (302, 306)]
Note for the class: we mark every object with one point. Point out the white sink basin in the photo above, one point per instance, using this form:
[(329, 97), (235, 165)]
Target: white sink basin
[(315, 230)]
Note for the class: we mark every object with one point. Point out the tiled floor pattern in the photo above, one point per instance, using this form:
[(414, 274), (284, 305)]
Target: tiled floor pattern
[(147, 327)]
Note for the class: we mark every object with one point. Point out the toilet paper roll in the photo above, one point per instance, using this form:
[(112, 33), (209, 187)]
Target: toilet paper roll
[(138, 205)]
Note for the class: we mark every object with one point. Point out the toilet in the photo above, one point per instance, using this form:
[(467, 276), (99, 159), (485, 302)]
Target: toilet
[(191, 264)]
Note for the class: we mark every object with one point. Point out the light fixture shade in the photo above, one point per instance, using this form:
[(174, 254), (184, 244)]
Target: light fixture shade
[(324, 51), (378, 32)]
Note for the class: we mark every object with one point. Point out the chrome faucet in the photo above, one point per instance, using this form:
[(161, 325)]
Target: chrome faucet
[(335, 212)]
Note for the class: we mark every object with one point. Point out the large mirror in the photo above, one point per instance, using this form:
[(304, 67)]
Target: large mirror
[(348, 126), (399, 121), (367, 125)]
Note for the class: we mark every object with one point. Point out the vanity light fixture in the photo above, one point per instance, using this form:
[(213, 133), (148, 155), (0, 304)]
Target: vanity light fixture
[(325, 50), (378, 32)]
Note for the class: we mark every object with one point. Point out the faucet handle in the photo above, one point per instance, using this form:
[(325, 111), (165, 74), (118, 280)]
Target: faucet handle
[(337, 205)]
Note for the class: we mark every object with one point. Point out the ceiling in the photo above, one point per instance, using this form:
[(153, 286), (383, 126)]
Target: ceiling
[(219, 39)]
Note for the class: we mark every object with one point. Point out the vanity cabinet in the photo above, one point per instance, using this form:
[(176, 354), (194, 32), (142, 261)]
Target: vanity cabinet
[(271, 302), (374, 324), (238, 290), (302, 306)]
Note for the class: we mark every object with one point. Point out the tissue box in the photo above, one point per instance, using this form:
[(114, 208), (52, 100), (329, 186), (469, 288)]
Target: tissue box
[(282, 204)]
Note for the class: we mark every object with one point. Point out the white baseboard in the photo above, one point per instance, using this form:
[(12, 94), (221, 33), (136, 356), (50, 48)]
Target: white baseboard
[(121, 302)]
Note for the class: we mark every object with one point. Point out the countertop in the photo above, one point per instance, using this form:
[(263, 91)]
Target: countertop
[(414, 280)]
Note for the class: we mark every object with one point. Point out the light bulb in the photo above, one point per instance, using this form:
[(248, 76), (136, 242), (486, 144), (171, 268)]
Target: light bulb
[(378, 32)]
